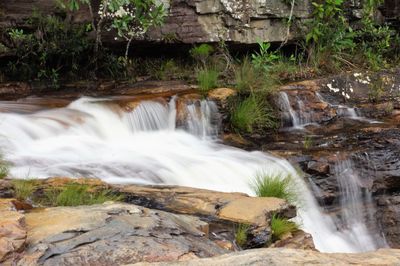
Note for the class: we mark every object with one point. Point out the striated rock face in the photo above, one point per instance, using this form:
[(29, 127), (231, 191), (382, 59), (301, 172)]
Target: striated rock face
[(195, 21), (294, 257), (112, 234)]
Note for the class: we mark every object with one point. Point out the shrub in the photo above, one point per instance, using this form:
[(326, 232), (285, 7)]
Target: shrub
[(263, 59), (241, 233), (201, 53), (77, 194), (278, 186), (24, 189), (207, 79), (281, 227), (251, 114)]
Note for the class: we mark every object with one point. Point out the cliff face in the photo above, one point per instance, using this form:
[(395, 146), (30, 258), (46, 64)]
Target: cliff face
[(194, 21)]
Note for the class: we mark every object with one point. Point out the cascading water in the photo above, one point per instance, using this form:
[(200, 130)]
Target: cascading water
[(94, 138), (356, 206)]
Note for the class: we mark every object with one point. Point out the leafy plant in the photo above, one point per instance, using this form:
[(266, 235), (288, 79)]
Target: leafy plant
[(23, 189), (308, 142), (281, 226), (202, 53), (263, 59), (75, 194), (4, 168), (278, 186), (207, 79), (241, 234), (251, 114)]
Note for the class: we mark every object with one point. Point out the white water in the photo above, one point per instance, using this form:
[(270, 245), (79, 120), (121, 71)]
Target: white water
[(94, 138), (356, 205)]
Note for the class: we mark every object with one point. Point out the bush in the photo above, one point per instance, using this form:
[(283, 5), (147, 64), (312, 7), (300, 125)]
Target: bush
[(201, 53), (281, 227), (77, 194), (251, 114), (248, 78), (278, 186), (241, 233), (24, 189), (207, 79)]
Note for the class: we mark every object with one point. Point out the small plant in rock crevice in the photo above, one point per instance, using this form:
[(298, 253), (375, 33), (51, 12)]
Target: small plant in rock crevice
[(275, 185), (202, 53), (281, 227), (241, 234), (252, 114)]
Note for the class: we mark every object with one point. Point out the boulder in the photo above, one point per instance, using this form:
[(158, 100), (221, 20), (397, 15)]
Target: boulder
[(113, 234)]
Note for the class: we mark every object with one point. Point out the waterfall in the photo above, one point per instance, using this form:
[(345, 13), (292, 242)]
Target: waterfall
[(298, 119), (97, 138)]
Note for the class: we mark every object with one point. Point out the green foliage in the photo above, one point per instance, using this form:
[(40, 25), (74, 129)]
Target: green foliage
[(75, 194), (376, 90), (308, 142), (249, 78), (281, 227), (241, 233), (207, 79), (24, 189), (4, 168), (53, 47), (278, 186), (252, 114), (263, 59), (201, 53)]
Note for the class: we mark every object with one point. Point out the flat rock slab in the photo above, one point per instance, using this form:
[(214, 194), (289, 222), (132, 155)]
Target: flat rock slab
[(113, 234), (235, 207), (295, 257), (255, 210)]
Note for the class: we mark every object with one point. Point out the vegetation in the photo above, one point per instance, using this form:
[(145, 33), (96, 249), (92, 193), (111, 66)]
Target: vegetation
[(207, 79), (252, 114), (202, 53), (308, 142), (281, 227), (241, 234), (75, 194), (278, 186), (4, 168), (24, 188)]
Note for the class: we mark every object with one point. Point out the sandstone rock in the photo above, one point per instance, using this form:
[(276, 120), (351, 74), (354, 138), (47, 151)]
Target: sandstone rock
[(294, 257), (256, 211), (112, 234), (297, 240), (12, 232), (221, 94)]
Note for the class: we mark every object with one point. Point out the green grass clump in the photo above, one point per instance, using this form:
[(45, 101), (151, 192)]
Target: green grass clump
[(277, 186), (251, 114), (249, 78), (207, 79), (77, 194), (4, 169), (241, 233), (281, 226), (24, 189)]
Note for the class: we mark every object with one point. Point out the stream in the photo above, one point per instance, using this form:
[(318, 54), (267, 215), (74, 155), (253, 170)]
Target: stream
[(155, 142)]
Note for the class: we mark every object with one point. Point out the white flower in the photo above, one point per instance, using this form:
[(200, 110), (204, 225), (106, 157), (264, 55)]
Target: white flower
[(120, 12)]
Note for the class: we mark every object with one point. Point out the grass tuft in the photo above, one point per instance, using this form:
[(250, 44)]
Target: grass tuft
[(207, 79), (24, 189), (251, 114), (241, 234), (277, 186), (281, 226), (77, 194)]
